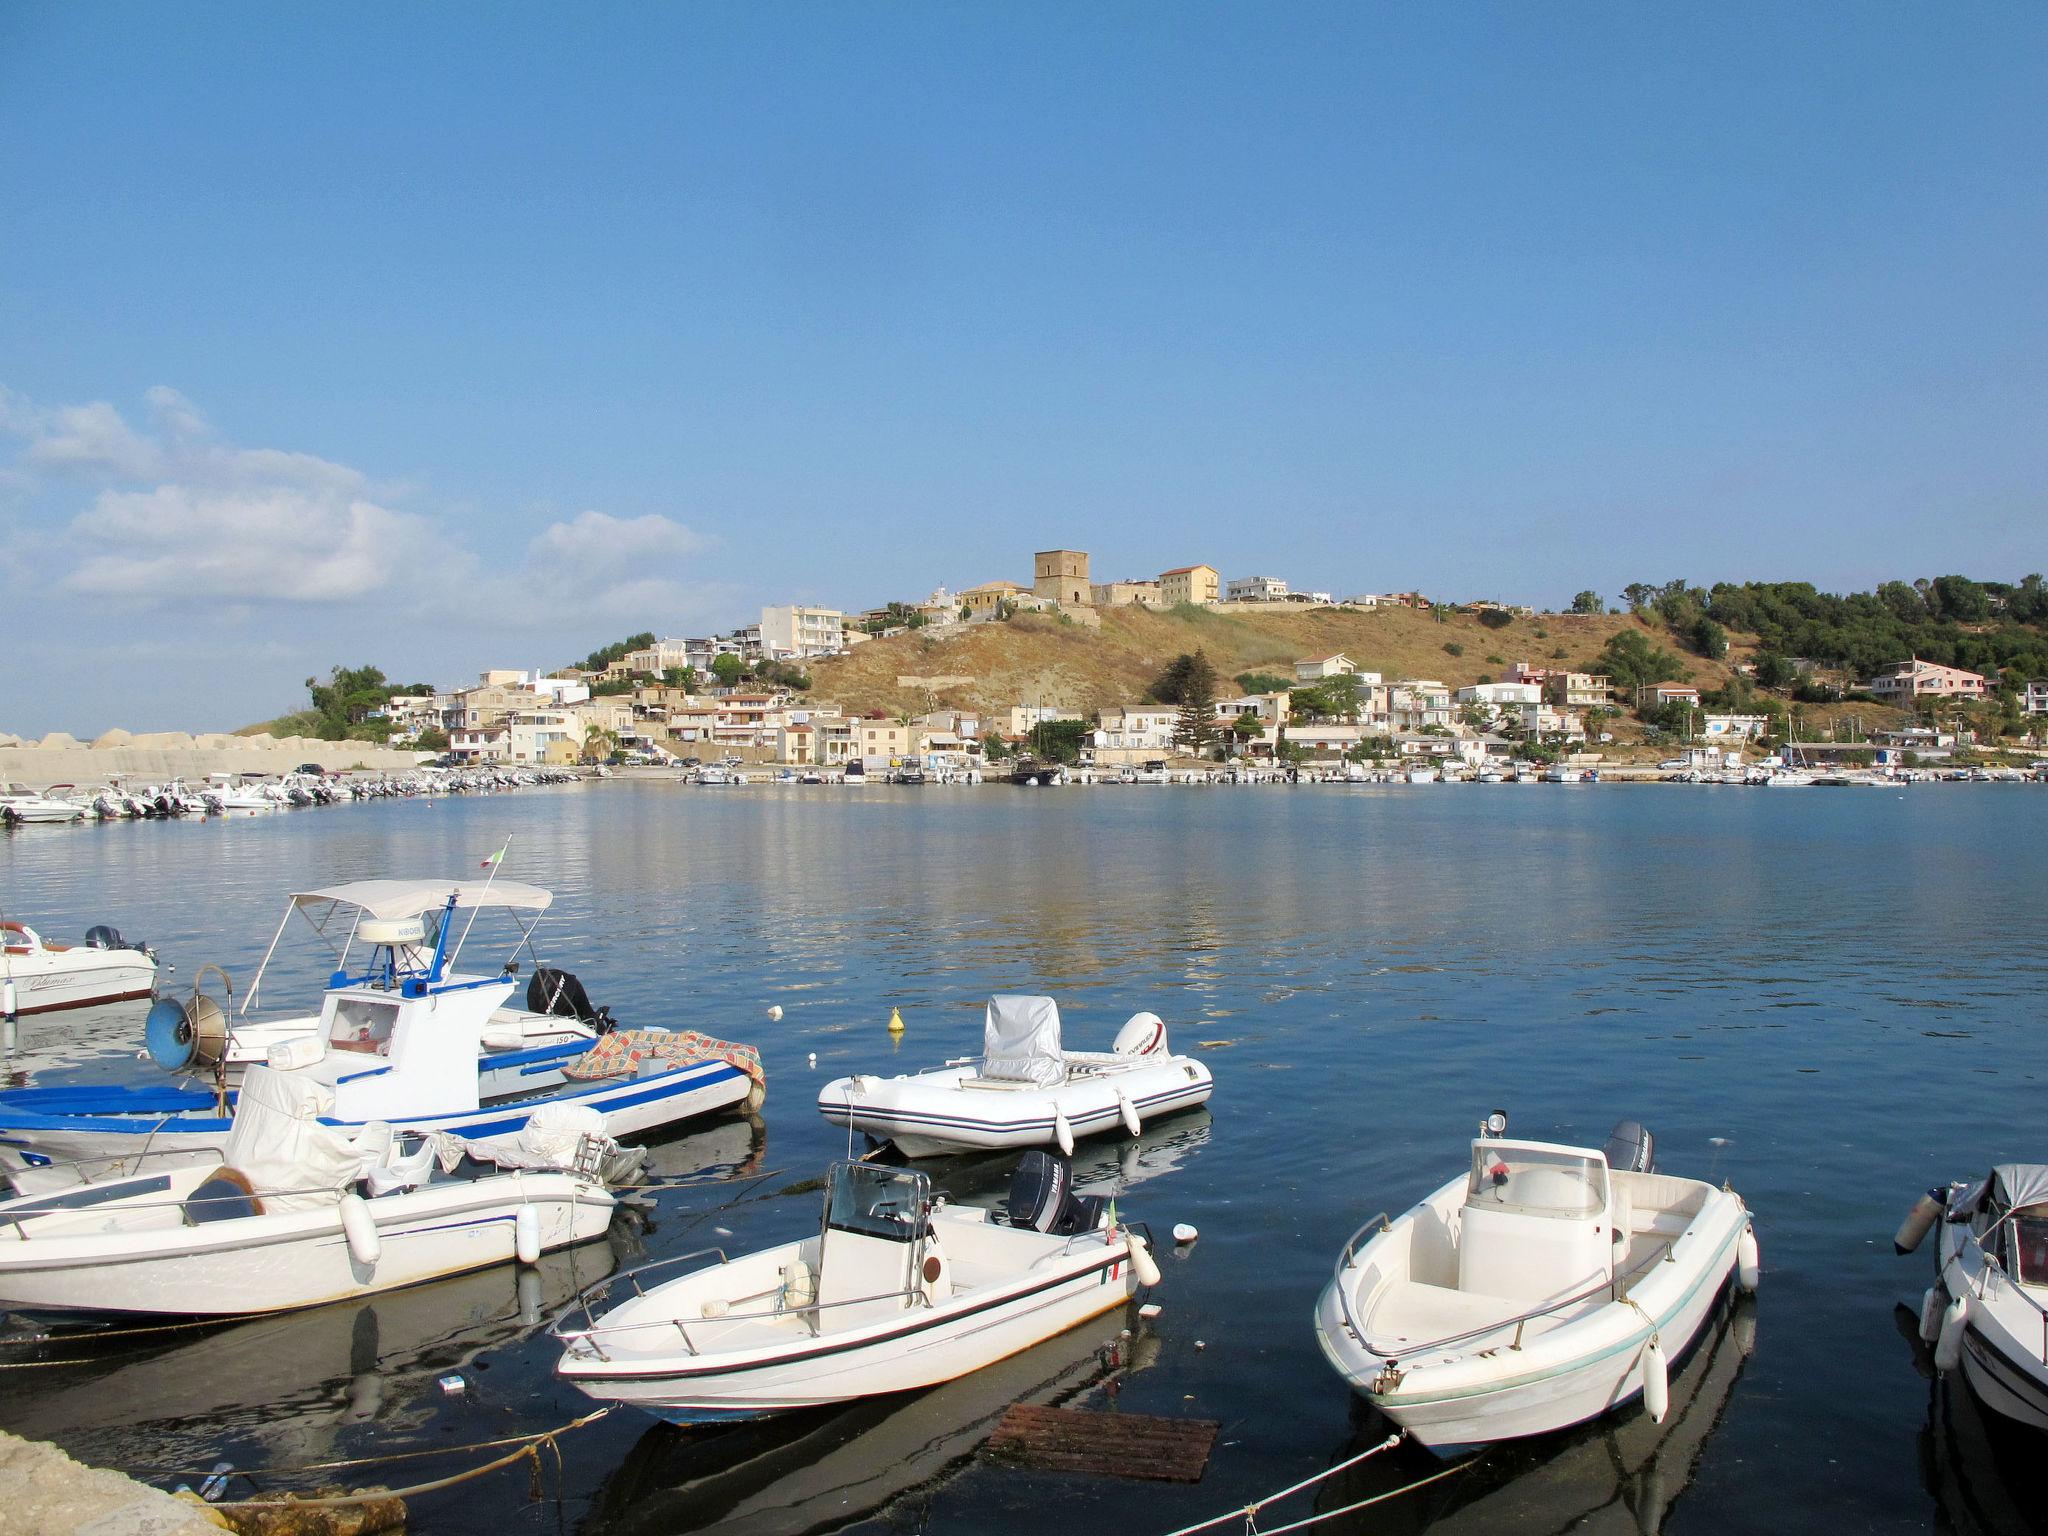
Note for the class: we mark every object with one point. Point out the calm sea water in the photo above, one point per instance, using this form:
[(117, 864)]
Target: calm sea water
[(1847, 988)]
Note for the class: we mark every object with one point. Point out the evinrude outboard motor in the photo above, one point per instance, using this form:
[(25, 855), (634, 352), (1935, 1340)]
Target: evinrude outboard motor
[(1042, 1197), (559, 993), (1631, 1148)]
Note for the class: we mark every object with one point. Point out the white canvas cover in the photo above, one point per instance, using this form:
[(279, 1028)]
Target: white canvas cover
[(277, 1142), (2021, 1184), (548, 1140), (1021, 1040)]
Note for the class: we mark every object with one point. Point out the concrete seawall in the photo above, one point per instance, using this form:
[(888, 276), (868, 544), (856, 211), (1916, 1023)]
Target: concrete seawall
[(39, 766), (43, 1491)]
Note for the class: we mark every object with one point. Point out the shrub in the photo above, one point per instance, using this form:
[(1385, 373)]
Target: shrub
[(1452, 648)]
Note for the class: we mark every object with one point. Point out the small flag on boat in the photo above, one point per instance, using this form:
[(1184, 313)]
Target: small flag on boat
[(496, 858)]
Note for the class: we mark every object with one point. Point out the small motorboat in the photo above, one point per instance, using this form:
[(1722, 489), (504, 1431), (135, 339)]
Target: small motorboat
[(401, 1036), (38, 976), (295, 1213), (1543, 1287), (1024, 1090), (897, 1291), (24, 807), (1987, 1311)]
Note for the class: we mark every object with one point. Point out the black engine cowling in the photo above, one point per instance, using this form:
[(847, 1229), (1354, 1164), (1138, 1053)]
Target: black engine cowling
[(104, 936), (1042, 1197)]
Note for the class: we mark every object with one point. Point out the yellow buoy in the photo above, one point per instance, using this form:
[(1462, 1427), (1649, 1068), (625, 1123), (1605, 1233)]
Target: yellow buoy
[(895, 1021)]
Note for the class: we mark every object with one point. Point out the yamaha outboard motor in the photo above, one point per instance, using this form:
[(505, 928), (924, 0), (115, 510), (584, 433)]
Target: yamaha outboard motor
[(1631, 1148), (561, 994), (1042, 1197), (101, 936)]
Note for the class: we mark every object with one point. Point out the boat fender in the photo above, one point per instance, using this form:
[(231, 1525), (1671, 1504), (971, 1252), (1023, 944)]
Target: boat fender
[(1656, 1382), (714, 1306), (10, 1003), (1919, 1220), (799, 1285), (526, 1234), (1062, 1132), (1144, 1034), (360, 1228), (1142, 1262), (1948, 1344), (1129, 1111), (1749, 1261), (1931, 1306)]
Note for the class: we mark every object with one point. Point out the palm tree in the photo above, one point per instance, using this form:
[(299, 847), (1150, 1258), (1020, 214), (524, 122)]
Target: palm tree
[(599, 743)]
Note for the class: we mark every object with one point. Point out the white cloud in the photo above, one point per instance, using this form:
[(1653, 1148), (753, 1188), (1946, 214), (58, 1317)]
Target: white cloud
[(180, 516)]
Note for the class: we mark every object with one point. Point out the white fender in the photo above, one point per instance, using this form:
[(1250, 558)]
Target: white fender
[(1656, 1382), (360, 1228), (1142, 1262), (1749, 1261), (1926, 1210), (1931, 1306), (526, 1234), (1948, 1345), (1062, 1132), (1129, 1111)]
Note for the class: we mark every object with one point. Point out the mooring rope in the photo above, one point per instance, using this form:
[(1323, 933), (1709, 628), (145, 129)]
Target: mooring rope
[(1250, 1512)]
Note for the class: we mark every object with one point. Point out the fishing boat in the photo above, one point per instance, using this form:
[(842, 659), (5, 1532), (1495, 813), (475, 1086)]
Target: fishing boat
[(1987, 1311), (897, 1291), (1024, 1090), (295, 1213), (38, 976), (1544, 1286), (401, 1036)]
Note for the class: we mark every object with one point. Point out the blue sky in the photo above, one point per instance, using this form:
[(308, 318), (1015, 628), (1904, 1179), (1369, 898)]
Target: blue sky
[(454, 335)]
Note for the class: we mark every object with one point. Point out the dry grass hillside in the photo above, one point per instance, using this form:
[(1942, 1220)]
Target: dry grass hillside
[(1042, 659)]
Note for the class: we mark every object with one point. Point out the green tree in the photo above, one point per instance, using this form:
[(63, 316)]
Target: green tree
[(1709, 638), (727, 668), (1587, 602), (1263, 682), (605, 655), (1639, 595), (1246, 729), (1196, 696), (1059, 740), (1773, 670), (432, 739), (1632, 660)]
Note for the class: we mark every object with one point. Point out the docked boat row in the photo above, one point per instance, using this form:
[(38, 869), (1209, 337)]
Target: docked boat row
[(232, 794)]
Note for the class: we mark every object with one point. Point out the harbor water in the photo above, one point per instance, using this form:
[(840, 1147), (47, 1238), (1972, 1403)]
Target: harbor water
[(1831, 999)]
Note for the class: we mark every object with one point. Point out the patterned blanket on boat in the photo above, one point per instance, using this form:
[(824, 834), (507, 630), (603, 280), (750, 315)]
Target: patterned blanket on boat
[(624, 1052)]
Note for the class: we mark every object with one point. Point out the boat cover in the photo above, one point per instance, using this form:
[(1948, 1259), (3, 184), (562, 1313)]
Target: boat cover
[(1021, 1040), (410, 898), (292, 1161), (548, 1140), (2020, 1184)]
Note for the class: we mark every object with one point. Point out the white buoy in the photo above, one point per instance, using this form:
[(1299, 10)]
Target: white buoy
[(10, 1003), (360, 1228), (1913, 1230), (1062, 1132), (1656, 1382), (526, 1234), (814, 1058), (1183, 1233), (775, 1013), (1749, 1261), (1128, 1110), (1948, 1344), (1931, 1306), (1142, 1261)]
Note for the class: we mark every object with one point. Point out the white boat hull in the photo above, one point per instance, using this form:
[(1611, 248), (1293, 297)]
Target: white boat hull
[(297, 1259), (2005, 1338), (933, 1113), (128, 978)]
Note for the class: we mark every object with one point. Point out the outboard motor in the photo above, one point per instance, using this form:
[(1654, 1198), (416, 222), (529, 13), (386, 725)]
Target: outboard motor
[(1144, 1034), (1042, 1197), (1631, 1148), (103, 936), (559, 993)]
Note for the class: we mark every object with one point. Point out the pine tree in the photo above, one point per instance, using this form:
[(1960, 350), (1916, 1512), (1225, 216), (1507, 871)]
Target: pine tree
[(1196, 729)]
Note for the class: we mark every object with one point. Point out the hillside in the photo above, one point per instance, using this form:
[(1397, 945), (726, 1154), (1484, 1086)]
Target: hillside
[(1041, 659)]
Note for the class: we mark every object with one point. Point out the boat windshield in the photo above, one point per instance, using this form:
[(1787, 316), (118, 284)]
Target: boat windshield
[(876, 1201), (1537, 1181), (2030, 1249)]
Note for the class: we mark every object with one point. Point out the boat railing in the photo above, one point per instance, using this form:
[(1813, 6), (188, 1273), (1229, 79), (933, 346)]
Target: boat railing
[(1080, 1237), (1614, 1285), (1991, 1262)]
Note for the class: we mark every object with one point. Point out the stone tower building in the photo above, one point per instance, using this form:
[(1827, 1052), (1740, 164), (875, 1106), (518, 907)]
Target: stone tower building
[(1062, 576)]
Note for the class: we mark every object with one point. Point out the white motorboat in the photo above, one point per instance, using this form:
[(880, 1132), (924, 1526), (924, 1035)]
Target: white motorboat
[(1987, 1311), (1419, 776), (1024, 1090), (38, 976), (401, 1036), (1543, 1287), (280, 1222), (24, 807), (897, 1291)]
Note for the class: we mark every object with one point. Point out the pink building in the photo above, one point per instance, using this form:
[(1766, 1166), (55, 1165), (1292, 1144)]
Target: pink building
[(1917, 679)]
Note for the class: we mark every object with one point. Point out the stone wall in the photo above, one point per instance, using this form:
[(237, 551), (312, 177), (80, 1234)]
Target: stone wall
[(154, 758)]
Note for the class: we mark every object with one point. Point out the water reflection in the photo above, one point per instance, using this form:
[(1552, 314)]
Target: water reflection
[(1980, 1467)]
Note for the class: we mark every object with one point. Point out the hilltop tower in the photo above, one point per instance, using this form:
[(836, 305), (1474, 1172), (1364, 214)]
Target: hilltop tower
[(1062, 576)]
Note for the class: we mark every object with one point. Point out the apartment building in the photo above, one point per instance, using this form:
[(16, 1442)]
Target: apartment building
[(1256, 589), (1197, 584), (1913, 680), (1579, 690), (793, 631)]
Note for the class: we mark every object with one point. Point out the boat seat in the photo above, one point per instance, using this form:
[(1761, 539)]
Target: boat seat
[(223, 1195), (1411, 1313)]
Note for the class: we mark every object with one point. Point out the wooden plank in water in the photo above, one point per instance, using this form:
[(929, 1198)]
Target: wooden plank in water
[(1105, 1444)]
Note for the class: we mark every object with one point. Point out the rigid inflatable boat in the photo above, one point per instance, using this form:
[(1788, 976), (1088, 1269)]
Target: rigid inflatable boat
[(1024, 1090)]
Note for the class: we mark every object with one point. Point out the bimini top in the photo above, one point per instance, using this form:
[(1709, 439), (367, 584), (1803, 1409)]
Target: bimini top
[(411, 898)]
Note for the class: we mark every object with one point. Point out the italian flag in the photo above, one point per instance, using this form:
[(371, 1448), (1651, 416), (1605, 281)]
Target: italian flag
[(496, 858)]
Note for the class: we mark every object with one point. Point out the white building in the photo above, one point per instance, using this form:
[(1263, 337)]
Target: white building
[(794, 631), (1137, 728), (2035, 700), (1746, 727), (1317, 668), (1255, 589), (1497, 695)]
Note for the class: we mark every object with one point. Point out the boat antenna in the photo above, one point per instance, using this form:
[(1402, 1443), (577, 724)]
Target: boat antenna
[(493, 863)]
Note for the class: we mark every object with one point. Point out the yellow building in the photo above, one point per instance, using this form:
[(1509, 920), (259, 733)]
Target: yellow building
[(1061, 576), (985, 597), (1197, 584)]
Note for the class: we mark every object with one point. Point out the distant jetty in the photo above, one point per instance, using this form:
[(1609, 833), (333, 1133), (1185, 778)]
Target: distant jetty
[(158, 755)]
